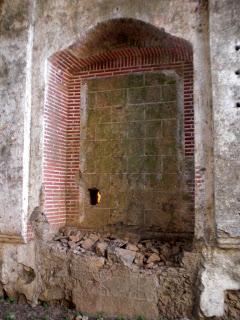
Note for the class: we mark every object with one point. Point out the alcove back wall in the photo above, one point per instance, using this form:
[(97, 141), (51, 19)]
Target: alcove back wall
[(131, 149)]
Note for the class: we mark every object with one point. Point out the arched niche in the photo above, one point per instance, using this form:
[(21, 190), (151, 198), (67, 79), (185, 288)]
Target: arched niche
[(119, 118)]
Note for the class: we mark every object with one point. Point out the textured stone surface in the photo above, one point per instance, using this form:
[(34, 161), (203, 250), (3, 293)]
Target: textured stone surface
[(56, 25), (131, 151), (225, 61), (52, 28), (115, 289), (13, 64), (221, 273)]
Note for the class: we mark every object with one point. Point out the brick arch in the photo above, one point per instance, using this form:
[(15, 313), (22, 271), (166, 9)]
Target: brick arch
[(115, 47), (119, 39)]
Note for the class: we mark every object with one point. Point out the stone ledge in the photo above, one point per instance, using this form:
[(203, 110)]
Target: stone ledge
[(7, 238)]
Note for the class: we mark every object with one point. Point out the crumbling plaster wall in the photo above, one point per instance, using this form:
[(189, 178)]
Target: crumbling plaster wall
[(221, 266), (225, 60), (14, 38), (56, 25)]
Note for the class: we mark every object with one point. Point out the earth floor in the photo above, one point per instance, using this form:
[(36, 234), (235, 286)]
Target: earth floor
[(11, 310)]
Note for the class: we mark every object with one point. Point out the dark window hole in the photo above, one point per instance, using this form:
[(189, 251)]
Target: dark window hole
[(237, 72), (237, 47), (95, 196), (238, 105)]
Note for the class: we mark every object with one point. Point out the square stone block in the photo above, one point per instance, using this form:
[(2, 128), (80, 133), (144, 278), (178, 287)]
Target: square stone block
[(136, 95), (116, 82), (89, 164), (160, 111), (92, 117), (118, 113), (102, 148), (160, 147), (157, 78), (118, 216), (102, 182), (117, 148), (134, 112), (135, 181), (136, 130), (88, 133), (153, 94), (152, 164), (118, 164), (135, 209), (96, 217), (103, 164), (153, 181), (118, 131), (169, 129), (135, 164), (118, 199), (103, 115), (103, 131), (118, 182), (158, 218), (169, 93), (110, 98), (170, 165), (134, 147), (153, 129), (145, 95), (91, 100)]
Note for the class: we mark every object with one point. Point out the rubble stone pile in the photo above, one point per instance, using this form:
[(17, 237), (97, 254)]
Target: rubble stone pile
[(139, 254)]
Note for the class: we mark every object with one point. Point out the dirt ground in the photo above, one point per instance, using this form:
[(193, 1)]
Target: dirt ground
[(11, 310)]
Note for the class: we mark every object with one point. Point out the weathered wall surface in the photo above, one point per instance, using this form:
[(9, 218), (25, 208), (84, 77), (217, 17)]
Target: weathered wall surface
[(221, 268), (55, 27), (13, 55), (132, 151), (96, 287), (58, 26), (18, 271), (225, 60), (221, 273)]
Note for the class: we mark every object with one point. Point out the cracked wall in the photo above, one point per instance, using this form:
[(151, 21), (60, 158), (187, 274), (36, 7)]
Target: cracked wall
[(46, 27)]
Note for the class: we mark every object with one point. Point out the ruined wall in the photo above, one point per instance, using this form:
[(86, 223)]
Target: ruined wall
[(117, 290), (225, 90), (222, 265), (54, 32), (55, 26), (14, 37)]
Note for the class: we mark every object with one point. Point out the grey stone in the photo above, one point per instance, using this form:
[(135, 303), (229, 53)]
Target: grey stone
[(126, 256)]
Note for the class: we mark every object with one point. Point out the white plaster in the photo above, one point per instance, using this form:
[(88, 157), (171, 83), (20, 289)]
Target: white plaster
[(221, 273), (27, 133)]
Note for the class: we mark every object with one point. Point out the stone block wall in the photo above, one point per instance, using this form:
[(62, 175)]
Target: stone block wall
[(117, 290), (132, 150)]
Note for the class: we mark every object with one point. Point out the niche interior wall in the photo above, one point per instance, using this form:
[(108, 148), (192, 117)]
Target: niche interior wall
[(121, 64)]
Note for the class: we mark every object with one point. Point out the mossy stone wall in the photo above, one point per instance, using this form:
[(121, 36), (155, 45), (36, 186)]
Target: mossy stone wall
[(131, 150)]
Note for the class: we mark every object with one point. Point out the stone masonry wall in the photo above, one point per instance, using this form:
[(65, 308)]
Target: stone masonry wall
[(117, 290), (132, 151)]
